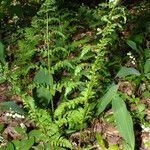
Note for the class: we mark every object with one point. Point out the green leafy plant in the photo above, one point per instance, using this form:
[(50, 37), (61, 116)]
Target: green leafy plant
[(121, 115), (123, 119), (76, 93), (66, 68)]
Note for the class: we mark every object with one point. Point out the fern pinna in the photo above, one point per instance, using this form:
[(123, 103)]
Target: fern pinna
[(68, 75)]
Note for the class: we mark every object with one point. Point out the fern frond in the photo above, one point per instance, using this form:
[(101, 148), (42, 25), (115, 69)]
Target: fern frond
[(60, 141), (67, 64), (70, 104)]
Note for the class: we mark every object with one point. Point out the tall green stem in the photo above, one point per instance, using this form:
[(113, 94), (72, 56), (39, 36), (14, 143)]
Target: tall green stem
[(49, 59)]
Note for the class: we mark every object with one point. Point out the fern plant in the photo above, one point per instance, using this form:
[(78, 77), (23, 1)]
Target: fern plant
[(68, 67)]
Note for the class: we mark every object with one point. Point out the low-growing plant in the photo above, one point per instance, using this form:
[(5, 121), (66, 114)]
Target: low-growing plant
[(59, 68), (68, 69)]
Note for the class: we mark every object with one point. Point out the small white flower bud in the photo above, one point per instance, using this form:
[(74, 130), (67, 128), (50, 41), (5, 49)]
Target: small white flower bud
[(13, 116), (98, 29), (7, 114), (22, 125), (129, 53), (22, 117), (133, 62), (131, 56), (10, 115)]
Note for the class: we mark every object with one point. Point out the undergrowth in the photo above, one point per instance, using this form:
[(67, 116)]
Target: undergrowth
[(59, 69)]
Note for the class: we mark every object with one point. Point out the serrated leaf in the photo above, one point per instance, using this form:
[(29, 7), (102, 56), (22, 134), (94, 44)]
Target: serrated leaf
[(85, 50), (147, 66), (132, 44), (124, 71), (30, 101), (2, 56), (124, 122), (11, 105), (106, 99)]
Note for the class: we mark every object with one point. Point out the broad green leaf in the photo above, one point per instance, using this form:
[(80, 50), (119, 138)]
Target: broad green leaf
[(10, 146), (124, 122), (2, 56), (132, 44), (106, 99), (147, 66), (124, 71), (11, 105), (26, 144), (37, 134), (43, 77), (17, 144), (42, 95), (100, 141)]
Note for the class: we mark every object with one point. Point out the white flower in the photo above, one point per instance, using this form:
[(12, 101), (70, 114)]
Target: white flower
[(13, 116), (129, 53), (145, 129), (7, 114), (22, 125), (22, 117), (133, 62), (131, 56), (98, 29), (10, 115)]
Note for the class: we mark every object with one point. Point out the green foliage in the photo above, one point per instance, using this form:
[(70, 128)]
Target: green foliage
[(124, 71), (69, 67), (124, 122), (2, 56), (11, 105), (123, 119), (100, 141), (107, 98), (147, 66), (59, 65), (61, 60)]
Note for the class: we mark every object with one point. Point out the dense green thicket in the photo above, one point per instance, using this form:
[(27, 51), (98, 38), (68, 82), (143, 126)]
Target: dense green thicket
[(61, 58)]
